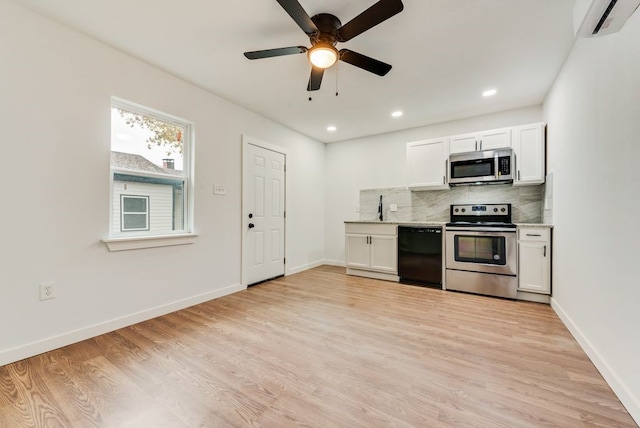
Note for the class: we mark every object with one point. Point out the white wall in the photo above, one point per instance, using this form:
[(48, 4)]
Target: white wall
[(379, 162), (593, 115), (56, 87)]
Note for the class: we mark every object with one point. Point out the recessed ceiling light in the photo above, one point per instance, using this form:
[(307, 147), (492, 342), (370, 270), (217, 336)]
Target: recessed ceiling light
[(331, 128), (489, 93), (397, 113)]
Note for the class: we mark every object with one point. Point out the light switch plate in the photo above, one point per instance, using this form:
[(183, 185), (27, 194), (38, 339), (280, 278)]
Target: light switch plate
[(393, 207), (219, 189)]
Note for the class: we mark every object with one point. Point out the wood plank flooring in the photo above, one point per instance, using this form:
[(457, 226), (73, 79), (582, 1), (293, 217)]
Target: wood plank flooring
[(321, 349)]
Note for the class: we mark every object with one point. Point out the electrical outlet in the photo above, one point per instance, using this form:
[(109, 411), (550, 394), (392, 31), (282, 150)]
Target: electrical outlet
[(219, 189), (47, 290), (393, 207)]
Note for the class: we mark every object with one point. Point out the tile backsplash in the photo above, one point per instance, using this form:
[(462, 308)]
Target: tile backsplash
[(433, 205)]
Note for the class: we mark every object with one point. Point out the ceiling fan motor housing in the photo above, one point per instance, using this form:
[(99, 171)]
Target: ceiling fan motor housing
[(328, 26)]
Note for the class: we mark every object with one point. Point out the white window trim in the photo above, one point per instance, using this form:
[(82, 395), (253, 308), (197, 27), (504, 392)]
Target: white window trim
[(183, 237), (154, 241)]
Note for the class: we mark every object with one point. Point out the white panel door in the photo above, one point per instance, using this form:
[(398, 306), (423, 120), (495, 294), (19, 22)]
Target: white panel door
[(263, 213)]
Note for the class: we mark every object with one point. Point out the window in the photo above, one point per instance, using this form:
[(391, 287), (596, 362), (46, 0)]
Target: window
[(134, 213), (150, 173)]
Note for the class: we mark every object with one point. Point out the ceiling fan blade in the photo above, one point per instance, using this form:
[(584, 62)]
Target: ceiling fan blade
[(364, 62), (316, 78), (379, 12), (299, 15), (268, 53)]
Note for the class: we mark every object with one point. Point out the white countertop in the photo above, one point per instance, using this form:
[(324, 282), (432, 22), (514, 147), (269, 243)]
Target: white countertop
[(435, 223)]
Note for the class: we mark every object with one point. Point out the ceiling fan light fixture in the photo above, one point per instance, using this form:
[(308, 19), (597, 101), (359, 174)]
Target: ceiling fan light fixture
[(323, 55)]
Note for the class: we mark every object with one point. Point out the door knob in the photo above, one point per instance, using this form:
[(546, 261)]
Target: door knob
[(251, 225)]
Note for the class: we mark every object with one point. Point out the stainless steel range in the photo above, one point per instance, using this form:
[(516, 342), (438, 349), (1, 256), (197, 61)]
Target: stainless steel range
[(481, 250)]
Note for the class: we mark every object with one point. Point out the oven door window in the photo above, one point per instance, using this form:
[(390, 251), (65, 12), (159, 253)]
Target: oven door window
[(480, 249), (473, 168)]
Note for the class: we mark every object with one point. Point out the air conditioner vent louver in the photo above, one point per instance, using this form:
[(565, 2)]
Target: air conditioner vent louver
[(602, 17)]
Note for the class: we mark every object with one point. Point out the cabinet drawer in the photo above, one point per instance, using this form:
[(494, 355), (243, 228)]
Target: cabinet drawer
[(534, 234), (372, 229)]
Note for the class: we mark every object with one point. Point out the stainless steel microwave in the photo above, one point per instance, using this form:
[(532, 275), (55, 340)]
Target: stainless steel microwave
[(484, 167)]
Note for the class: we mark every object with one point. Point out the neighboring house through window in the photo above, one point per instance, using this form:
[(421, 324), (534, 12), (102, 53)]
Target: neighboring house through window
[(150, 172)]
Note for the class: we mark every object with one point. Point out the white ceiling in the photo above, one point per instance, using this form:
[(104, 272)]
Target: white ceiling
[(444, 54)]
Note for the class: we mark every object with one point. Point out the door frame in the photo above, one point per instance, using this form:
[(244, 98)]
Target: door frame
[(246, 141)]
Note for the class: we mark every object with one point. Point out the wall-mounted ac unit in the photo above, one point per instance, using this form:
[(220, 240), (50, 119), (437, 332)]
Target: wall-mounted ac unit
[(601, 17)]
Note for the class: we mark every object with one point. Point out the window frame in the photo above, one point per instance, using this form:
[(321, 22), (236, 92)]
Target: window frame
[(118, 240), (124, 213)]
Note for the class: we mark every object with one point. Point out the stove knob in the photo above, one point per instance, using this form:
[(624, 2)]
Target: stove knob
[(503, 209), (463, 210), (495, 210), (456, 210)]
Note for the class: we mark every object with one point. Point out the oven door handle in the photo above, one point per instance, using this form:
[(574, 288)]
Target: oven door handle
[(483, 231)]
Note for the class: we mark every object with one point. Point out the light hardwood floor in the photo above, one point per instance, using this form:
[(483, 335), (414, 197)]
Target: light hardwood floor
[(321, 349)]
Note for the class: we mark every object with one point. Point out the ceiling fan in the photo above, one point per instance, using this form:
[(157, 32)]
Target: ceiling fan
[(325, 31)]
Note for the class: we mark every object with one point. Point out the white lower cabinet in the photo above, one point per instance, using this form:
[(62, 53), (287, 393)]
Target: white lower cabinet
[(534, 259), (372, 250)]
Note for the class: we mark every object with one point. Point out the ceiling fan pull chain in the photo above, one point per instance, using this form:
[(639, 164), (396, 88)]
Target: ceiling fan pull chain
[(337, 73)]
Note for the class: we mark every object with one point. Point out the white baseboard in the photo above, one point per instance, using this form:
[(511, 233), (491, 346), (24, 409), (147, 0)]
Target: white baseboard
[(15, 354), (627, 398), (339, 263), (302, 268)]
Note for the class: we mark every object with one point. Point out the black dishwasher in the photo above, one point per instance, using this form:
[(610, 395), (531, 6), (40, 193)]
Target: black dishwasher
[(420, 255)]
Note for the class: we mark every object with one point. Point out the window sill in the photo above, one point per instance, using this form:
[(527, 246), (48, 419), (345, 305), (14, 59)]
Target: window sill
[(139, 242)]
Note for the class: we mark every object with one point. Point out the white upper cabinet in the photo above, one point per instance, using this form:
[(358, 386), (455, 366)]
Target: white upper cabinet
[(463, 143), (484, 140), (529, 151), (427, 164)]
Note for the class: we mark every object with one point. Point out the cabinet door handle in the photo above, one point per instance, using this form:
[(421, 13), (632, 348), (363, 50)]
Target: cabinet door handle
[(480, 144), (545, 251), (518, 175), (476, 145), (446, 171), (533, 234)]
